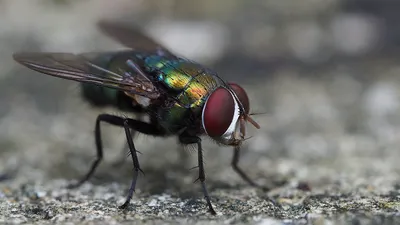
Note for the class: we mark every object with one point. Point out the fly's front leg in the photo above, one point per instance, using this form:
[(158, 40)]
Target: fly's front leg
[(242, 174), (202, 177)]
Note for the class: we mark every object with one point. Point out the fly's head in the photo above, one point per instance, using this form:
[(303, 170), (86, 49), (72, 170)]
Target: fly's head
[(225, 114)]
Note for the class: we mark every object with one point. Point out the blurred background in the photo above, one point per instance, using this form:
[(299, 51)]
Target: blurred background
[(325, 72)]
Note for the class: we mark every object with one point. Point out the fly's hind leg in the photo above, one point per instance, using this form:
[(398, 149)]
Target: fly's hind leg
[(128, 124), (99, 151), (124, 153)]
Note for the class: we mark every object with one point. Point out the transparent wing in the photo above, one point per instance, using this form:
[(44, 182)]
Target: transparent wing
[(132, 37), (81, 67)]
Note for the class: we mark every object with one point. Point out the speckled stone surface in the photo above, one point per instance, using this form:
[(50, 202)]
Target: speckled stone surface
[(328, 146)]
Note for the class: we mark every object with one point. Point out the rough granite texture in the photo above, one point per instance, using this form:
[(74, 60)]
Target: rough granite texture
[(328, 146)]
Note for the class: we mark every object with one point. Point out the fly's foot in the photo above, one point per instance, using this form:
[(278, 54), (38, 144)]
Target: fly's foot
[(124, 206), (212, 211)]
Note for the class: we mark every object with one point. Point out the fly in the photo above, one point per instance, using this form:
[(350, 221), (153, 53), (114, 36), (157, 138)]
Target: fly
[(182, 98)]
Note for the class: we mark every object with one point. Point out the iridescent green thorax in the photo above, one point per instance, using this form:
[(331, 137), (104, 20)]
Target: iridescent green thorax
[(188, 82)]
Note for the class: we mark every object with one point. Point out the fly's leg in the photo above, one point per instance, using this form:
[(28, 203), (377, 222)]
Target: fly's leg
[(136, 166), (202, 176), (123, 154), (99, 151), (242, 174), (142, 127), (128, 124)]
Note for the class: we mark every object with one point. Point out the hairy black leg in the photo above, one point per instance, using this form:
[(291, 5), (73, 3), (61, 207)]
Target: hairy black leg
[(242, 174), (123, 154), (139, 126), (202, 176), (136, 166), (99, 151)]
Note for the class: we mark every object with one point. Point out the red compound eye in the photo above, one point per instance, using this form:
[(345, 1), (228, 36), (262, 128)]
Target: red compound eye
[(218, 112), (242, 95)]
